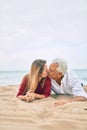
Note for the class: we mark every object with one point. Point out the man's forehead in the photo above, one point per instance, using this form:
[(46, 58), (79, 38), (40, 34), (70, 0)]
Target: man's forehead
[(53, 65)]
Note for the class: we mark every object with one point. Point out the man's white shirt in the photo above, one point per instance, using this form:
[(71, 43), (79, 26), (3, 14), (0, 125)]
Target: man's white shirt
[(70, 84)]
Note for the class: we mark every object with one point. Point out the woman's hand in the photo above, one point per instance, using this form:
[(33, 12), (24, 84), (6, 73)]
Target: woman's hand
[(28, 92), (30, 96)]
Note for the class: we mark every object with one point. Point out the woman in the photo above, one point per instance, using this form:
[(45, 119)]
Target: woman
[(36, 84)]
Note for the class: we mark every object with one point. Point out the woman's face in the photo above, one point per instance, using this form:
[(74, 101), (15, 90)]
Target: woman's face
[(45, 72)]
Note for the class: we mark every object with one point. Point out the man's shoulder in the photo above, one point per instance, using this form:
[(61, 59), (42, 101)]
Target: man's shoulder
[(72, 76), (71, 73)]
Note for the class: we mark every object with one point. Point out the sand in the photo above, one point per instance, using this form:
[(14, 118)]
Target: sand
[(40, 114)]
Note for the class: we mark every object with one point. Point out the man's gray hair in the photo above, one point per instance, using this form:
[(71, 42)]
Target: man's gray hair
[(62, 65)]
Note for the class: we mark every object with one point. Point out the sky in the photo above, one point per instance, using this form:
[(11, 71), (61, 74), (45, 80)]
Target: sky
[(42, 29)]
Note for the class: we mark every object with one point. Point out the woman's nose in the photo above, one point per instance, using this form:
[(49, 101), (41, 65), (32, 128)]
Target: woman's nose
[(48, 70)]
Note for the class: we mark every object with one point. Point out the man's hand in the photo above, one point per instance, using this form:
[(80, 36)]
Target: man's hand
[(61, 102)]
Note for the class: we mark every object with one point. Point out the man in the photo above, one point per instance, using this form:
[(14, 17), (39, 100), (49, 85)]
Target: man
[(65, 82)]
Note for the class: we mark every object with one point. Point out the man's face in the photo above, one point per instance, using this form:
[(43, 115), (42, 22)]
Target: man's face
[(53, 72)]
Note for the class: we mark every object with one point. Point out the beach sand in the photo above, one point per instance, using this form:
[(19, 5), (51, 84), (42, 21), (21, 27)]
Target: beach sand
[(40, 114)]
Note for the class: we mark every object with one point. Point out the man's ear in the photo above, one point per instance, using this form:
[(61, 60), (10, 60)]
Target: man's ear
[(60, 74)]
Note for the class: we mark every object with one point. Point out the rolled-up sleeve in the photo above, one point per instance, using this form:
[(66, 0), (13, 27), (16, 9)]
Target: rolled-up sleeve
[(22, 86), (77, 89)]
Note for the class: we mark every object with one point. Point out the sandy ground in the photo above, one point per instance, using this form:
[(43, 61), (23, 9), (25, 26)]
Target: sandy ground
[(40, 114)]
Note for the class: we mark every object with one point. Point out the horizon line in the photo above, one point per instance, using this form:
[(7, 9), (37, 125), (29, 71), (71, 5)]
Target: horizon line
[(28, 70)]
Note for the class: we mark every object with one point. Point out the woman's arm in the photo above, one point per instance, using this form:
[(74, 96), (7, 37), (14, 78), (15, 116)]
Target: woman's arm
[(26, 98), (38, 96), (35, 95), (22, 88), (22, 97)]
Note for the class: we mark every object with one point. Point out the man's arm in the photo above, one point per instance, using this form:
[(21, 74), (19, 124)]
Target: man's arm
[(79, 98), (62, 102)]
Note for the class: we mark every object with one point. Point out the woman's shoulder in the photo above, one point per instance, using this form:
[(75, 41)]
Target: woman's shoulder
[(47, 79), (26, 77)]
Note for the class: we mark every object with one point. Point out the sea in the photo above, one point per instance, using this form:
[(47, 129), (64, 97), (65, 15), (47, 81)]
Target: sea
[(15, 77)]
